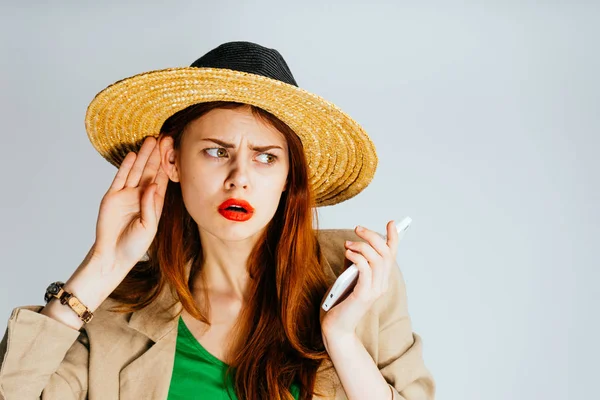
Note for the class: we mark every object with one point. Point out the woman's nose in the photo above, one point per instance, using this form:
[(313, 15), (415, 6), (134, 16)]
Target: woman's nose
[(238, 177)]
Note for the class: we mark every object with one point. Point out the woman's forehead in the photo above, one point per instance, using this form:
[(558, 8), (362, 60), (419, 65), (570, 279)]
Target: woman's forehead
[(233, 125)]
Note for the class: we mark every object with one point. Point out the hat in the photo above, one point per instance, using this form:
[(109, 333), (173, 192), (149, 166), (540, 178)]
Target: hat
[(341, 157)]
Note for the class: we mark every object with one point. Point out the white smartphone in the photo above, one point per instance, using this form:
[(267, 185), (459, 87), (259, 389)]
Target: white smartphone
[(347, 279)]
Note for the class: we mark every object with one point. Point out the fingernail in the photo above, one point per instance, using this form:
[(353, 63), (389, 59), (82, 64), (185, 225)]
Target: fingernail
[(349, 243), (359, 228)]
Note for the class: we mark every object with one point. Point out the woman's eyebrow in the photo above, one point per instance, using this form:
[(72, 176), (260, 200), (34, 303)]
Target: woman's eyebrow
[(231, 145)]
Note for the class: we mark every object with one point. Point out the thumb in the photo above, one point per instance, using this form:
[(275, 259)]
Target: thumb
[(392, 237)]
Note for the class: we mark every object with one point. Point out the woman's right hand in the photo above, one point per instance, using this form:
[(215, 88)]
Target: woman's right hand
[(127, 223), (130, 211)]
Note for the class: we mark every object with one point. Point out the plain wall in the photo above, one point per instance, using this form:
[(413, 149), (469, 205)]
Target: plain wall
[(486, 121)]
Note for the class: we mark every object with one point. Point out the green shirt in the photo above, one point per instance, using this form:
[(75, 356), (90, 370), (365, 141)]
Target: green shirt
[(197, 374)]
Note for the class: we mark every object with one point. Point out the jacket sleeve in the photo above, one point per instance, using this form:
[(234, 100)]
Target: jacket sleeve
[(400, 356), (41, 358)]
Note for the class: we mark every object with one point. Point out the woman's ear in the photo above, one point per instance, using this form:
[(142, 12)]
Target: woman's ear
[(168, 158)]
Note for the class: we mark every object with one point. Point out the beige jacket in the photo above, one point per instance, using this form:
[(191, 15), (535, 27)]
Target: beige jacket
[(130, 356)]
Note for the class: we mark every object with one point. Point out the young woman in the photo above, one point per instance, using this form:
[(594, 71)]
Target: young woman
[(206, 277)]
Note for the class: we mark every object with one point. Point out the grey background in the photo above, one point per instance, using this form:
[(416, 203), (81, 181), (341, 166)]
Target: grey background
[(486, 121)]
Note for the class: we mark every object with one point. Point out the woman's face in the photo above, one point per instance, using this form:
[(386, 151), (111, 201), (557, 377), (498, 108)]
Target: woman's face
[(228, 157)]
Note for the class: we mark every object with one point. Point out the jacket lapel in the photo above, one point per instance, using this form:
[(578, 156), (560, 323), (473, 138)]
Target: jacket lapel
[(149, 376)]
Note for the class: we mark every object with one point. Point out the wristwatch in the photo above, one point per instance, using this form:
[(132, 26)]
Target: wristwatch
[(55, 289)]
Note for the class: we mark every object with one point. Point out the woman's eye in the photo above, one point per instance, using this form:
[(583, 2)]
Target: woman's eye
[(217, 152), (267, 158)]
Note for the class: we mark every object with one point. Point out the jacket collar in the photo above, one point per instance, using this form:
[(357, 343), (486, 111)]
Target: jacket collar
[(160, 317)]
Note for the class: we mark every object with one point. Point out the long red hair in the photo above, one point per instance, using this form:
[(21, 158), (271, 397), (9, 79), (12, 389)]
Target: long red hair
[(279, 332)]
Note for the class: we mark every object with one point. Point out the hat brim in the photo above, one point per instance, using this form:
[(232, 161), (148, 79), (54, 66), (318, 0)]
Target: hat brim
[(341, 157)]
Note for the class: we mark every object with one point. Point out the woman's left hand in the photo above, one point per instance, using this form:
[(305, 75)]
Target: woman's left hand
[(375, 260)]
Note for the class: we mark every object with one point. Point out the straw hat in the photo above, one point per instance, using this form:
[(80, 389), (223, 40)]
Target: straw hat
[(341, 156)]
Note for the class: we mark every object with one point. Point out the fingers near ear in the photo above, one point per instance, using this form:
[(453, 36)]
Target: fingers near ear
[(147, 207), (123, 171)]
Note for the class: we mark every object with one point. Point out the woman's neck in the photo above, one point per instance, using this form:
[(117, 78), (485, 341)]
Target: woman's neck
[(224, 270)]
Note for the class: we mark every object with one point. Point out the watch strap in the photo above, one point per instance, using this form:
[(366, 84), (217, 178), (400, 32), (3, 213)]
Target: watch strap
[(56, 290)]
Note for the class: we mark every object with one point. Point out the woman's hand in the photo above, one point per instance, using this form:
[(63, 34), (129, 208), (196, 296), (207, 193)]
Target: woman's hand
[(130, 210), (127, 223), (374, 260)]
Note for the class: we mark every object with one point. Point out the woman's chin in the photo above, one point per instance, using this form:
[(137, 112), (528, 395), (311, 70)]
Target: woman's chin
[(233, 231)]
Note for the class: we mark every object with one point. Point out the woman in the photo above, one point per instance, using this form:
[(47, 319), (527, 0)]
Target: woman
[(206, 276)]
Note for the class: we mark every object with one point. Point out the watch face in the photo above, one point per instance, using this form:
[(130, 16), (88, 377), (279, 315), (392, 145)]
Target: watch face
[(53, 288)]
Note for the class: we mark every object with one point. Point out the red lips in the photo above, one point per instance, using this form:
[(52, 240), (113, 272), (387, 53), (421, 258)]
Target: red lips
[(236, 210)]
